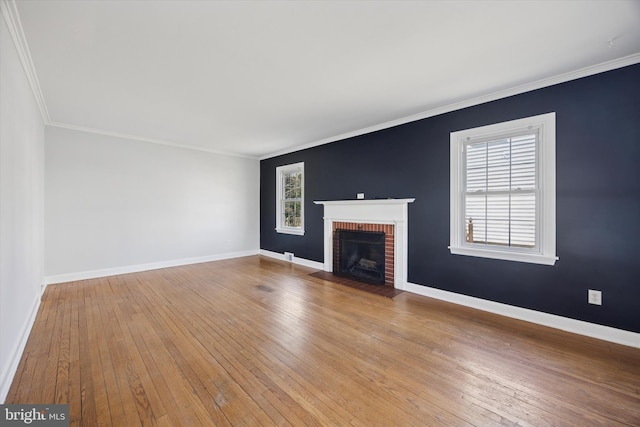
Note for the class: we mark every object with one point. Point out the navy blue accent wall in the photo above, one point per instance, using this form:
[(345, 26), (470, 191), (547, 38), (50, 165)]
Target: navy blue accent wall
[(598, 199)]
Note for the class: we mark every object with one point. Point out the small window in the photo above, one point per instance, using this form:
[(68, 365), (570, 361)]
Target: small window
[(503, 191), (290, 199)]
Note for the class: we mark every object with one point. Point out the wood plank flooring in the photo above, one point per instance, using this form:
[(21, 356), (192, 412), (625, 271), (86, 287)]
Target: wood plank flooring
[(254, 341)]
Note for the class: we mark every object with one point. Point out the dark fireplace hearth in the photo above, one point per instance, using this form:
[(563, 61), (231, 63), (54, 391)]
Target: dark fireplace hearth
[(360, 255)]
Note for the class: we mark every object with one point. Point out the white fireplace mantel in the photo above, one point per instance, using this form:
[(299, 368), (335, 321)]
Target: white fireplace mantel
[(370, 211)]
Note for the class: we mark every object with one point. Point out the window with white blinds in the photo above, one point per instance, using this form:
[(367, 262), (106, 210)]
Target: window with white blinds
[(503, 179), (501, 188), (290, 199)]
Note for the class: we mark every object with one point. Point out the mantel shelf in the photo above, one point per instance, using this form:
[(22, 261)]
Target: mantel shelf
[(365, 202)]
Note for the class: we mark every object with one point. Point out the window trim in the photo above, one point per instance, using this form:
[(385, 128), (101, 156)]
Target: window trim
[(545, 252), (280, 171)]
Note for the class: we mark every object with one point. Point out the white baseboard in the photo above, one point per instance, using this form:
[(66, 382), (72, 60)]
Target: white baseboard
[(16, 354), (593, 330), (300, 261), (93, 274)]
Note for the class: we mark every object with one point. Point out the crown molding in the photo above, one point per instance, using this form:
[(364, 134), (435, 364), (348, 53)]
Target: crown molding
[(12, 18), (145, 139), (516, 90)]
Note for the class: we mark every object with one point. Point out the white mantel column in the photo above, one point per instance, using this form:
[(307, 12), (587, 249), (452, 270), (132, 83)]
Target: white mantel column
[(328, 248)]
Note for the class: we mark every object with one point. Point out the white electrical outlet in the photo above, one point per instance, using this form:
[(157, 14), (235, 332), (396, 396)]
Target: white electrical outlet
[(360, 196), (595, 297), (288, 256)]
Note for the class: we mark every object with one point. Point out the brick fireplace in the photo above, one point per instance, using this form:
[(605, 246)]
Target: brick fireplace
[(387, 229), (388, 216)]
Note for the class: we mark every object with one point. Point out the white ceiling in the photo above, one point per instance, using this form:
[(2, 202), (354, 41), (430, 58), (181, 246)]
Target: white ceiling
[(254, 78)]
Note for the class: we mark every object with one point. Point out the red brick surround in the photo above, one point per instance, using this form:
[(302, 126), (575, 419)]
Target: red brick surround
[(388, 230)]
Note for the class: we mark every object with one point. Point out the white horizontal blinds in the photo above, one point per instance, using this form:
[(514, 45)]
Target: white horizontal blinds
[(292, 198), (500, 190)]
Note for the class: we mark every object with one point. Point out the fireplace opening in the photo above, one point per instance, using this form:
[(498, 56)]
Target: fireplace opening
[(360, 255)]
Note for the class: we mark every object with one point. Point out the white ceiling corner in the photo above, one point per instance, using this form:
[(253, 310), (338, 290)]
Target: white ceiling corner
[(258, 78), (10, 14)]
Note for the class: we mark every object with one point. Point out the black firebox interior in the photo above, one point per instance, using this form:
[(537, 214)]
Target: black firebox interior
[(360, 255)]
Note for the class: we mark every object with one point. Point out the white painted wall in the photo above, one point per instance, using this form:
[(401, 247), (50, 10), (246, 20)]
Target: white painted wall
[(21, 208), (114, 205)]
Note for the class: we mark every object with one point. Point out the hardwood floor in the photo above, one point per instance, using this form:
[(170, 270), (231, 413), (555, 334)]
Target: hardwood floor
[(254, 341)]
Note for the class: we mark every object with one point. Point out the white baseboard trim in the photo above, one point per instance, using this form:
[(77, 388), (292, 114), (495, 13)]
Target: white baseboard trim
[(16, 354), (593, 330), (300, 261), (93, 274)]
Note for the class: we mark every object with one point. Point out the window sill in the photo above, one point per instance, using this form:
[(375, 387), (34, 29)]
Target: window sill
[(294, 231), (504, 255)]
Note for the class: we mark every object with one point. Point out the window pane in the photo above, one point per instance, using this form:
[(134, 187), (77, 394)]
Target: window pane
[(292, 183), (523, 220), (291, 214), (476, 161), (523, 162), (502, 164), (498, 164), (501, 219), (497, 220), (475, 219)]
